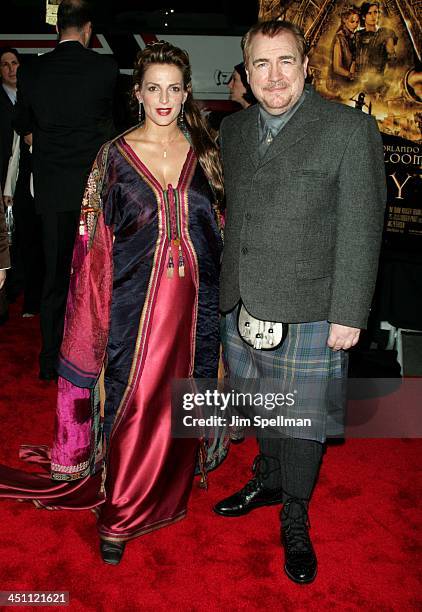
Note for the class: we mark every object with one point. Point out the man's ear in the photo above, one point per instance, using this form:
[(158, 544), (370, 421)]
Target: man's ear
[(88, 29)]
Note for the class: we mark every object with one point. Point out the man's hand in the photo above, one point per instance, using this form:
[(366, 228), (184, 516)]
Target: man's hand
[(28, 139), (342, 337), (8, 200), (2, 277)]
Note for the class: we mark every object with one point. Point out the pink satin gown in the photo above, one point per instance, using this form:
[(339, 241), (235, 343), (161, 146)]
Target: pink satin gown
[(149, 477)]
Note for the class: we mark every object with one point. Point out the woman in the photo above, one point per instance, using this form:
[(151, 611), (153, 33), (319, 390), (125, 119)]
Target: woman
[(343, 51), (143, 303), (375, 47), (240, 91)]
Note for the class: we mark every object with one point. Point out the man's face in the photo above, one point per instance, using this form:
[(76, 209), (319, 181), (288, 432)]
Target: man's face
[(8, 65), (372, 16), (276, 72)]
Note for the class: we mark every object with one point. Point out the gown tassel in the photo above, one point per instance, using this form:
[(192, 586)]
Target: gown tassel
[(181, 263)]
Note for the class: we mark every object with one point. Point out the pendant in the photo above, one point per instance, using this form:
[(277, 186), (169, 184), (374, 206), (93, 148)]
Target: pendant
[(258, 341), (165, 154), (247, 331), (258, 337)]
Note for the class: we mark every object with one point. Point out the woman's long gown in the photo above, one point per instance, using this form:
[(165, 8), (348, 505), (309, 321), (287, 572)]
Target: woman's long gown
[(146, 307)]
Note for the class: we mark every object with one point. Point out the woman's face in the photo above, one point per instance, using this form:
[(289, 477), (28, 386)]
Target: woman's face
[(237, 89), (162, 93), (351, 22), (372, 16)]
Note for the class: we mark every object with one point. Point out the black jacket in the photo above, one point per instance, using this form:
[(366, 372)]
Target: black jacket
[(6, 133), (65, 99)]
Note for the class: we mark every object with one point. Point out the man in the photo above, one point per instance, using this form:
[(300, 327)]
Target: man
[(65, 100), (26, 251), (305, 187), (375, 49), (9, 63)]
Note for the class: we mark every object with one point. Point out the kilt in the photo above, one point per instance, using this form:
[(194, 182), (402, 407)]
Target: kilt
[(303, 359)]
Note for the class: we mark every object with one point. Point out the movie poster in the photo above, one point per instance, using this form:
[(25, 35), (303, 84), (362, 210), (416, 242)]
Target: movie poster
[(368, 56), (51, 11)]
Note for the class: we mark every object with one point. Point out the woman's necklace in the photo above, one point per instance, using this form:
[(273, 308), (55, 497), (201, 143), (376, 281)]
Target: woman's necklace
[(167, 144)]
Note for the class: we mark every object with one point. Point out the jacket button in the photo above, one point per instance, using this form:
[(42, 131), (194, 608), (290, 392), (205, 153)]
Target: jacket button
[(248, 216), (244, 250)]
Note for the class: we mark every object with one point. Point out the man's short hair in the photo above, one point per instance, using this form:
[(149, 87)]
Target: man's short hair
[(73, 14), (274, 28)]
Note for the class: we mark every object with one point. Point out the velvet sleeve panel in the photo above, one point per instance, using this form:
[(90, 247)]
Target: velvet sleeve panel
[(89, 299)]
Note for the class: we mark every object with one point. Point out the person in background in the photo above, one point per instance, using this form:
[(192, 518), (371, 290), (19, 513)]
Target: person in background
[(240, 90), (4, 252), (64, 99), (375, 48), (343, 50), (27, 235), (240, 93), (9, 63)]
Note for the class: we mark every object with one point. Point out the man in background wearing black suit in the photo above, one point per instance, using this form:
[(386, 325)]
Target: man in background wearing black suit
[(15, 162), (9, 63), (65, 100)]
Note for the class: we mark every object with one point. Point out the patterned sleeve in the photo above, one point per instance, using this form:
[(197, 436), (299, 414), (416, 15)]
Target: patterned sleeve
[(90, 291)]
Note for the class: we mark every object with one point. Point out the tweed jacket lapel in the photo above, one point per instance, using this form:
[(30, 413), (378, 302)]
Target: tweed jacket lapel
[(297, 128), (250, 135)]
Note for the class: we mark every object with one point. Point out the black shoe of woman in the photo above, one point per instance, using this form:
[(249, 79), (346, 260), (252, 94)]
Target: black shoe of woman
[(112, 552)]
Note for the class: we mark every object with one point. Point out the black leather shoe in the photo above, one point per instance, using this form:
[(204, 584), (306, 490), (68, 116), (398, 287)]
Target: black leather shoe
[(300, 562), (47, 374), (253, 495), (237, 440), (237, 437), (112, 552)]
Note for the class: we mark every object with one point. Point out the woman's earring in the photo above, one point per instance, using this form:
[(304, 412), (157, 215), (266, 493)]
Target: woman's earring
[(182, 114), (140, 112)]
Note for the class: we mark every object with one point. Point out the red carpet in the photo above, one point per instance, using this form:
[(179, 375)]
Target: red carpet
[(365, 519)]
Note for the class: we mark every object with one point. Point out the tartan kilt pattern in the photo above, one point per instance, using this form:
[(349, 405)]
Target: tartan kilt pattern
[(303, 357)]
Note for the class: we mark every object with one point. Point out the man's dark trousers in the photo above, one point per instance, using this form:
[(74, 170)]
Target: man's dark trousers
[(59, 231)]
